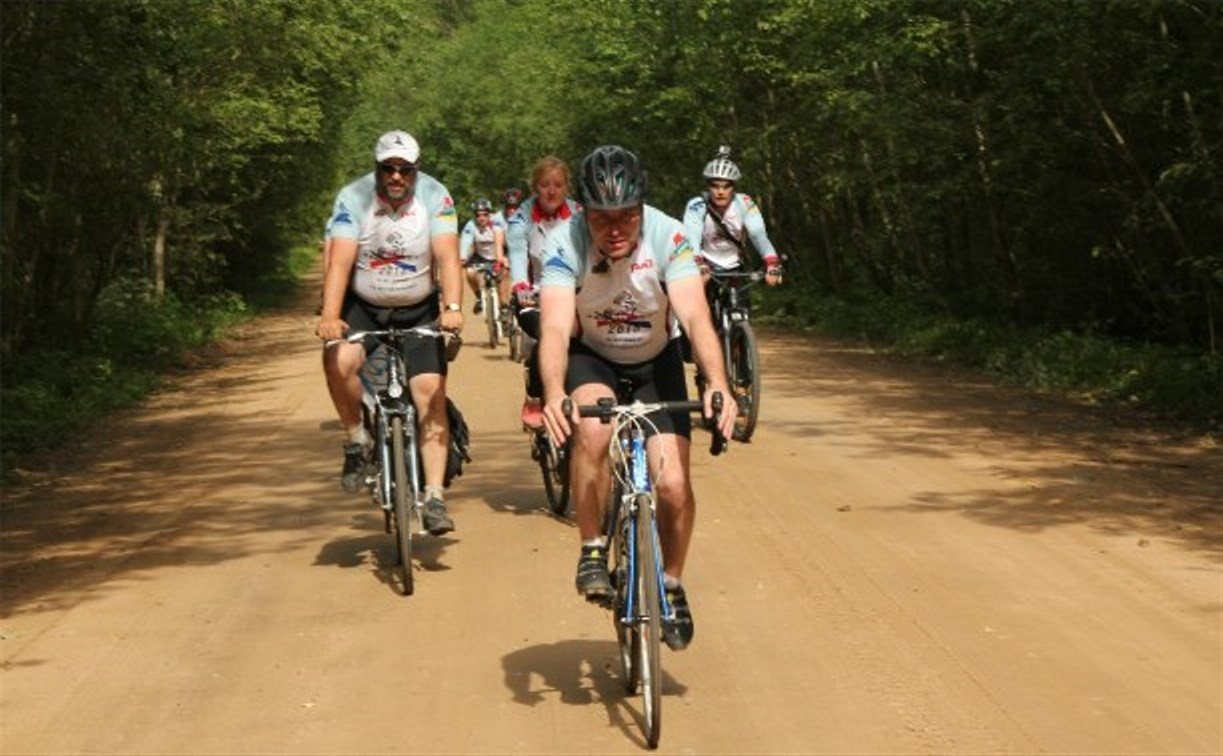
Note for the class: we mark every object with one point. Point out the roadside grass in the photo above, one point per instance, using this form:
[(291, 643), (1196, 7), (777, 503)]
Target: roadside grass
[(1180, 384), (55, 388)]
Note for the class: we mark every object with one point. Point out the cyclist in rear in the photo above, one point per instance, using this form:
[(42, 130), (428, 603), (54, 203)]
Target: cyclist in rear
[(615, 279), (719, 221), (483, 243)]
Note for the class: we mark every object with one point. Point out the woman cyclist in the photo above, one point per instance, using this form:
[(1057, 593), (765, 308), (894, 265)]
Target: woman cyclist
[(548, 208)]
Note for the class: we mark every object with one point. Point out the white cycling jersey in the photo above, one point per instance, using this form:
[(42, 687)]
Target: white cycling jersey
[(394, 246), (623, 311), (525, 238), (718, 245), (481, 242)]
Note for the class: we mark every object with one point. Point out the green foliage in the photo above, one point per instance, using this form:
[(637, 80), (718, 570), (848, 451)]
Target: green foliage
[(50, 390), (1002, 167)]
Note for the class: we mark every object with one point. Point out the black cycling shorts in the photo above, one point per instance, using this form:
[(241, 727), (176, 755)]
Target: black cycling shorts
[(661, 379), (425, 355), (476, 260)]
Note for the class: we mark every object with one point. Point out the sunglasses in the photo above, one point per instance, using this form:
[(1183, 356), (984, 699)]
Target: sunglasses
[(390, 169)]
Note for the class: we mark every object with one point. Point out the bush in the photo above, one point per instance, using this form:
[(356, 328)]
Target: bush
[(50, 390), (1173, 382)]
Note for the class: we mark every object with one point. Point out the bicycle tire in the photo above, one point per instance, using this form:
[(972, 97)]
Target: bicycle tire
[(491, 315), (743, 363), (649, 630), (554, 467), (615, 531), (515, 339), (404, 496)]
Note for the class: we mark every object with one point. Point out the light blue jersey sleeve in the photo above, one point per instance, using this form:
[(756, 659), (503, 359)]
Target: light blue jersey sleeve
[(353, 202), (351, 206), (443, 219), (467, 240), (673, 252), (753, 223), (566, 250), (518, 229), (564, 254), (694, 222)]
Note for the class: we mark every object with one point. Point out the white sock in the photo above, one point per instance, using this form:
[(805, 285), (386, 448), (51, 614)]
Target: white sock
[(435, 492), (357, 435), (600, 541), (669, 582)]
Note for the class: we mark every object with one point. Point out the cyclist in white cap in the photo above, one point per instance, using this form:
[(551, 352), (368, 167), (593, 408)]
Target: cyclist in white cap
[(388, 231)]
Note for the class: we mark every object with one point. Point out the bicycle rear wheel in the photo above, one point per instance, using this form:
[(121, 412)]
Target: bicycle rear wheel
[(403, 495), (649, 627), (744, 368), (554, 466)]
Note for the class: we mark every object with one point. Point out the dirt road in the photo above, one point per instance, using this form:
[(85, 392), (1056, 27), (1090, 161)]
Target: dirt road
[(903, 560)]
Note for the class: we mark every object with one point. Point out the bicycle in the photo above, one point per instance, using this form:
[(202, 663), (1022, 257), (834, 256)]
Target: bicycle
[(396, 481), (739, 350), (490, 300), (553, 466), (631, 529)]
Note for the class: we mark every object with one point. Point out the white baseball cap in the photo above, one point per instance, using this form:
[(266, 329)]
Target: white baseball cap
[(397, 144)]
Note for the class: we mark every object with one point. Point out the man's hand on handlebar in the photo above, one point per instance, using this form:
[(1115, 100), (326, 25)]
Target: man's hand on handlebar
[(730, 409), (773, 275), (558, 417), (331, 328), (451, 320)]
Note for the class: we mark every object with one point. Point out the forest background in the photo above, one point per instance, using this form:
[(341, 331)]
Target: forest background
[(1030, 187)]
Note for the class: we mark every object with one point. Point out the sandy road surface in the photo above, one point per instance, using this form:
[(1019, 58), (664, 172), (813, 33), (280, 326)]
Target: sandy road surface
[(902, 561)]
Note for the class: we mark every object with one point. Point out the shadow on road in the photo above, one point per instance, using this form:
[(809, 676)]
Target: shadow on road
[(1057, 462), (580, 673)]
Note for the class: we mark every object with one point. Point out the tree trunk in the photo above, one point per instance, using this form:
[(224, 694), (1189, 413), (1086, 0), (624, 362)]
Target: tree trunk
[(159, 254), (1003, 255)]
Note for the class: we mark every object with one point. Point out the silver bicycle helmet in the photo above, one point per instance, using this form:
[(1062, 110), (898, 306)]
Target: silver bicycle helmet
[(722, 167), (611, 178), (482, 204)]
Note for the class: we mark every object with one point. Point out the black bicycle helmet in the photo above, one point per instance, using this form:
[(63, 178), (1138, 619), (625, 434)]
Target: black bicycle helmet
[(611, 178)]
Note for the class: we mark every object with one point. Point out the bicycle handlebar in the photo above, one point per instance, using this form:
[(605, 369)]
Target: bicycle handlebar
[(607, 408), (750, 275), (453, 340)]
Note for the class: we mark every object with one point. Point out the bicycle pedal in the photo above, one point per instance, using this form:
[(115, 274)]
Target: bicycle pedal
[(606, 601)]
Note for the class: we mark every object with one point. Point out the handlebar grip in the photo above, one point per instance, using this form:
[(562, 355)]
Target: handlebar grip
[(567, 407), (717, 444)]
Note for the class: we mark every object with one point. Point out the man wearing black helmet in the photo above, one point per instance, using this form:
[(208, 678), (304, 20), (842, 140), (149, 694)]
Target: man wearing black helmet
[(483, 243), (511, 200), (615, 281)]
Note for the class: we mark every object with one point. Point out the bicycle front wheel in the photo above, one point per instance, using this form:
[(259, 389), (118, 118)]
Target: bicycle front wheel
[(491, 316), (404, 496), (649, 629), (554, 466), (744, 374)]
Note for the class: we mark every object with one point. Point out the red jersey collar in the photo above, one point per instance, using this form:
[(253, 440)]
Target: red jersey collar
[(538, 214)]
